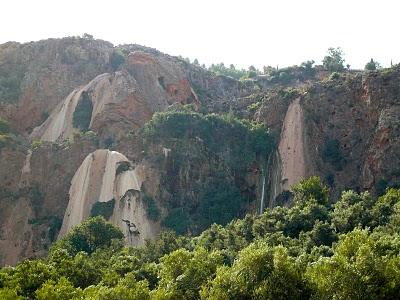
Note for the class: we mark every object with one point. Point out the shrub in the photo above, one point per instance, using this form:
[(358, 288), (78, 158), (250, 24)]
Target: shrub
[(4, 126), (334, 76), (5, 140), (332, 153), (117, 59), (36, 144)]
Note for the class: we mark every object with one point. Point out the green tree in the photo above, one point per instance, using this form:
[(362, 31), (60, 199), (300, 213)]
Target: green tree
[(356, 271), (118, 58), (260, 272), (9, 294), (372, 65), (60, 290), (30, 275), (311, 188), (183, 273), (334, 60), (352, 210), (92, 234)]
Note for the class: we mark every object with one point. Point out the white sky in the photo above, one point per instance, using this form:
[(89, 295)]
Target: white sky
[(247, 32)]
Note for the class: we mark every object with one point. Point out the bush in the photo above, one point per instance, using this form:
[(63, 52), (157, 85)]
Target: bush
[(117, 59), (36, 144), (5, 140), (332, 153), (4, 126), (334, 76)]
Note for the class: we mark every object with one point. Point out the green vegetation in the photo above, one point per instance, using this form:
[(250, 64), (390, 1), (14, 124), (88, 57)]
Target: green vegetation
[(372, 65), (178, 220), (104, 209), (334, 60), (4, 126), (311, 250), (274, 75), (5, 137), (88, 237), (232, 71), (118, 57), (239, 140), (332, 153), (36, 144), (83, 113), (233, 144), (10, 87), (152, 209), (5, 140)]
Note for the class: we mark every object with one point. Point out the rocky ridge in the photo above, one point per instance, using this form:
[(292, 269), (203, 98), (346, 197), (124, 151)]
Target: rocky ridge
[(343, 129)]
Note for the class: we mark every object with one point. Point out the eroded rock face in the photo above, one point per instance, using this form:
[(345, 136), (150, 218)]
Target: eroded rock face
[(43, 73), (288, 164), (121, 101), (34, 196), (360, 114), (108, 176)]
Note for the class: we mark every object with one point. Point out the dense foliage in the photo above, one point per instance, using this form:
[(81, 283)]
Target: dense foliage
[(311, 250), (239, 140), (194, 139), (234, 72)]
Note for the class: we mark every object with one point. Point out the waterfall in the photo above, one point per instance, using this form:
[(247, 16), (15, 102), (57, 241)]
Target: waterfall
[(262, 193)]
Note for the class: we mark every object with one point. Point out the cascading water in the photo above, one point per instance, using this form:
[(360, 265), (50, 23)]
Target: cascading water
[(262, 193)]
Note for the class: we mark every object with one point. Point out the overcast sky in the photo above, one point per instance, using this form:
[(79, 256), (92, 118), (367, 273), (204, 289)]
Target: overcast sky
[(247, 32)]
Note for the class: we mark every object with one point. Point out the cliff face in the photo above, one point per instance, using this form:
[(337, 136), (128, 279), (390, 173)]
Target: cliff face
[(36, 76), (344, 129), (121, 101), (34, 195), (107, 179), (352, 129)]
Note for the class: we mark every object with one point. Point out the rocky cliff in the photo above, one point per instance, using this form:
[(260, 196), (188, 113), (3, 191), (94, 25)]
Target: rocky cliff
[(85, 140)]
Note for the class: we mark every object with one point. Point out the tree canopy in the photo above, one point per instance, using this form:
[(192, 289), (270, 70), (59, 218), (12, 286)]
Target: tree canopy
[(312, 249)]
